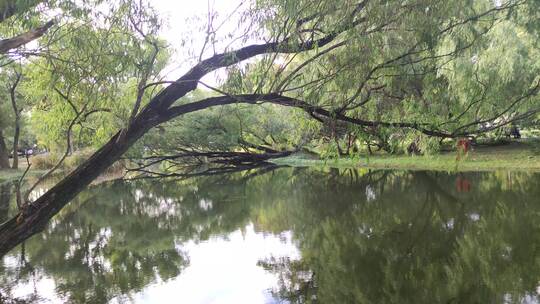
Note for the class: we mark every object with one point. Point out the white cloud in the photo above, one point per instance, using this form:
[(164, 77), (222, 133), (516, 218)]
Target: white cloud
[(224, 270)]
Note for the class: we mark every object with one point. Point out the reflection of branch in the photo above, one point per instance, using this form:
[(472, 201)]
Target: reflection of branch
[(433, 185), (148, 174), (238, 159)]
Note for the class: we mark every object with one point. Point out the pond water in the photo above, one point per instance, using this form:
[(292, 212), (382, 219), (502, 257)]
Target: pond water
[(288, 235)]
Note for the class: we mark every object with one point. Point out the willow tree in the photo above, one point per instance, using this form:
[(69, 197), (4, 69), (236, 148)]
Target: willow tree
[(378, 40), (14, 35), (410, 68)]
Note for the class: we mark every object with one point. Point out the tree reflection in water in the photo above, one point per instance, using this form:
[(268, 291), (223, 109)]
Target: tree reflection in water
[(364, 236), (416, 239)]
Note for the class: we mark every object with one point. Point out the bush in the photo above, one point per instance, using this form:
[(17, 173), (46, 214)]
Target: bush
[(77, 158), (429, 145), (49, 160), (44, 161)]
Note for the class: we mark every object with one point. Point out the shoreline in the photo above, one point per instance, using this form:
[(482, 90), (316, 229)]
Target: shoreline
[(514, 156)]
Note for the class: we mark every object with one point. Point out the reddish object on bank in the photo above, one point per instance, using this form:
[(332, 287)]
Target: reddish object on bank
[(464, 144)]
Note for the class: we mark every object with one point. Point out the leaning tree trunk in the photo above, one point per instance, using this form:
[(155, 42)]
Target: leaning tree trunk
[(4, 153), (34, 217)]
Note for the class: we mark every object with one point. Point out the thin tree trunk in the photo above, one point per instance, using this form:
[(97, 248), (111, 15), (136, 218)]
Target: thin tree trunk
[(4, 153), (18, 195), (17, 113), (5, 197), (15, 164)]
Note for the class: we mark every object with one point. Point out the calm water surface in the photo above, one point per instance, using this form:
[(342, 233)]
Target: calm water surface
[(288, 236)]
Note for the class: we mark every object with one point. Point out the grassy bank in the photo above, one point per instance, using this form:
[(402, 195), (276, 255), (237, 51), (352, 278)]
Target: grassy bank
[(10, 175), (522, 155), (42, 163), (516, 155)]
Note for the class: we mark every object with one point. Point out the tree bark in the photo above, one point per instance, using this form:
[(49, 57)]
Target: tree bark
[(34, 216), (15, 164), (4, 153), (12, 43), (5, 197), (16, 111)]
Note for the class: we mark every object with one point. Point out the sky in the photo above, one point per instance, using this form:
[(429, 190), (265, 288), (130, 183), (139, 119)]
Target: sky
[(221, 270), (182, 17), (225, 270)]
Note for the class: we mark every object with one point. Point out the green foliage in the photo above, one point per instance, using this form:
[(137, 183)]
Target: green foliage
[(429, 145), (433, 65), (427, 68), (230, 128), (93, 74)]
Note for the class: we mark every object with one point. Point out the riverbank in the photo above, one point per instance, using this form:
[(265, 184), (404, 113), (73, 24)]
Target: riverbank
[(512, 156), (11, 175), (42, 163)]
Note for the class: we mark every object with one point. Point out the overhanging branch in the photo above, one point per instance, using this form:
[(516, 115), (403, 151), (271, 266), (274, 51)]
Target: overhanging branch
[(291, 102), (22, 39)]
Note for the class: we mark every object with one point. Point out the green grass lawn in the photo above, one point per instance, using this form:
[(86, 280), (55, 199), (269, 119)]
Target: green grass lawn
[(10, 175), (516, 155), (521, 155)]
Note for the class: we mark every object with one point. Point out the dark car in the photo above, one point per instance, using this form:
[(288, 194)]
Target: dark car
[(23, 152)]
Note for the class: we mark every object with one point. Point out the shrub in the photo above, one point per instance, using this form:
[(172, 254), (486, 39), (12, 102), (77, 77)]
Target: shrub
[(77, 158), (44, 161), (49, 160), (429, 145)]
